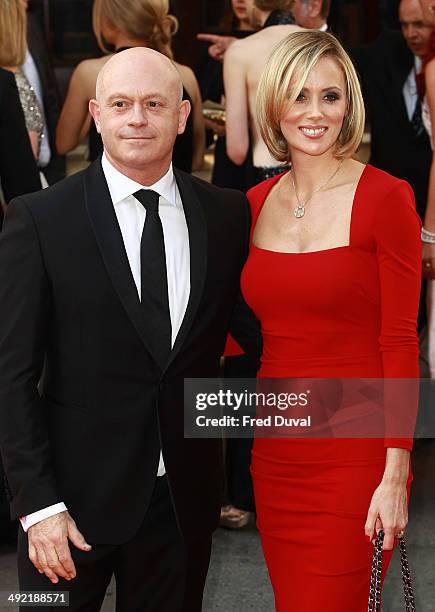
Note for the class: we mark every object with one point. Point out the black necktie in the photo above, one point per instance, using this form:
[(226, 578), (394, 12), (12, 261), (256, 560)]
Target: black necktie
[(154, 280)]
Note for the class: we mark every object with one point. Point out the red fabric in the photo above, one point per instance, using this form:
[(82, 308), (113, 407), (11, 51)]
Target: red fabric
[(232, 348), (341, 313)]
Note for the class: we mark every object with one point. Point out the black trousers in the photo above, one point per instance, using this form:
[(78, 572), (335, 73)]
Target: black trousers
[(155, 571)]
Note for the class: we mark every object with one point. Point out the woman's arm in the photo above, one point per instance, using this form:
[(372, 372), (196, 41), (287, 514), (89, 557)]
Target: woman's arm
[(192, 87), (398, 248), (74, 124), (34, 142), (429, 219), (236, 104)]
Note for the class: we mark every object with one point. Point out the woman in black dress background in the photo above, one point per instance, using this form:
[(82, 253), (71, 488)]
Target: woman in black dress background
[(118, 25), (225, 173)]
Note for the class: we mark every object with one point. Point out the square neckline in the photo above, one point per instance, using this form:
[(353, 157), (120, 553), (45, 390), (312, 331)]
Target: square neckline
[(337, 248)]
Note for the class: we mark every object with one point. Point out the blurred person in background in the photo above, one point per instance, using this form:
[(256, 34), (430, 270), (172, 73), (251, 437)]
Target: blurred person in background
[(234, 22), (18, 171), (39, 71), (241, 76), (13, 47), (220, 44), (210, 75), (388, 69), (312, 14), (119, 25), (428, 232)]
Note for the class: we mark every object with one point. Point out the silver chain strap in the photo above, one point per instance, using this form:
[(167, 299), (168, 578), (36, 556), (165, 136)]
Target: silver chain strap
[(374, 604)]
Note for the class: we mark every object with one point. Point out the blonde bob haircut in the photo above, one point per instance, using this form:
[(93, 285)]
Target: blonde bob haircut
[(145, 20), (283, 79), (13, 33)]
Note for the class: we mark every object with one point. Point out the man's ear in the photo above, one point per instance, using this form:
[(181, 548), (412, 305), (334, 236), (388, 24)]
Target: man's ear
[(183, 113), (94, 109)]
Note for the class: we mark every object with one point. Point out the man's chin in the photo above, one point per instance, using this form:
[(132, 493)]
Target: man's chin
[(137, 158)]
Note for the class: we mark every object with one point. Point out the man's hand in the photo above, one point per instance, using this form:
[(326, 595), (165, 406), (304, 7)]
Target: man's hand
[(48, 546), (428, 257), (219, 44)]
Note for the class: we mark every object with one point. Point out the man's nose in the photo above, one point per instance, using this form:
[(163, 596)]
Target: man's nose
[(411, 33), (138, 115)]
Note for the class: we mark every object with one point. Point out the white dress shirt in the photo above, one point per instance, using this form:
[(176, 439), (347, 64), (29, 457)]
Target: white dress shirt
[(410, 93), (131, 218), (31, 72)]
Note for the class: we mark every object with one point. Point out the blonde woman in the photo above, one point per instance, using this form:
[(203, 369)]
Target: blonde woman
[(333, 275), (13, 46), (120, 24)]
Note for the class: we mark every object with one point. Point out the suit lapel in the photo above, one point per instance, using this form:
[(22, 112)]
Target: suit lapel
[(109, 239), (197, 229), (401, 67)]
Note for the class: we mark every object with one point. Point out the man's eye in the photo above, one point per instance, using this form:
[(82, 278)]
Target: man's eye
[(153, 104), (119, 104)]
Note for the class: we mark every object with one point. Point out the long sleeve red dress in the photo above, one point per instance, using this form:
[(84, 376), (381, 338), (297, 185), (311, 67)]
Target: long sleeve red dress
[(343, 312)]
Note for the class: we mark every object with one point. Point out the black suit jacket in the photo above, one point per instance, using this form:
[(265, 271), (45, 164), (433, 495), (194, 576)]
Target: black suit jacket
[(92, 435), (55, 170), (384, 67), (18, 171)]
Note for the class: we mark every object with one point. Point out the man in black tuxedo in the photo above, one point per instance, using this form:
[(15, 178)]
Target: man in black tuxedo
[(18, 175), (124, 278), (388, 68)]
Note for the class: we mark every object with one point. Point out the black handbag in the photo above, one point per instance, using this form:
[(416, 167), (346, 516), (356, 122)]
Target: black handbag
[(374, 604)]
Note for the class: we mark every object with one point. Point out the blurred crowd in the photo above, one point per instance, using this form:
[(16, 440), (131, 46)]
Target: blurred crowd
[(397, 72)]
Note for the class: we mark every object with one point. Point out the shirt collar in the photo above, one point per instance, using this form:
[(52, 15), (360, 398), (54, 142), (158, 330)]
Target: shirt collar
[(323, 28), (120, 186), (417, 64)]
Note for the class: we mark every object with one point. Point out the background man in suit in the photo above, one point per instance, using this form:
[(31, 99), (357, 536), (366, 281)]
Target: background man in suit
[(388, 68), (312, 14), (123, 310)]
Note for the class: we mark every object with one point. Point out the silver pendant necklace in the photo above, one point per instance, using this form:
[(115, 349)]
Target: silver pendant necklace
[(299, 211)]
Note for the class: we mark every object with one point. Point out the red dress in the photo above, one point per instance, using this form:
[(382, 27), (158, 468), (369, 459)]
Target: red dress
[(345, 312)]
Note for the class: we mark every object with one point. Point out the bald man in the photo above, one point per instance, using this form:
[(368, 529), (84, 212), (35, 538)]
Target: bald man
[(119, 283)]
